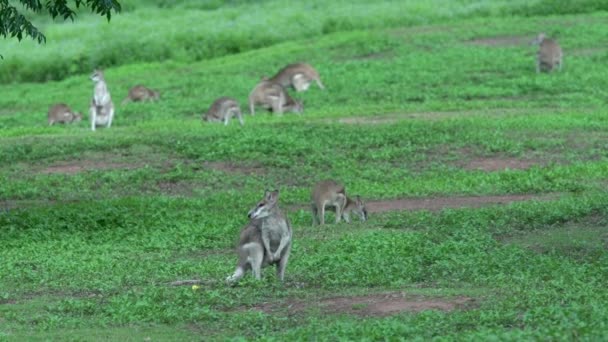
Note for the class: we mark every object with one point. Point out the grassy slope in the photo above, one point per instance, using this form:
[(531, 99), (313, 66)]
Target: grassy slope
[(71, 269)]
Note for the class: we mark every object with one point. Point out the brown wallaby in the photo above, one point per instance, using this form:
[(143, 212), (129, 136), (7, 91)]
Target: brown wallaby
[(331, 194), (223, 109), (273, 96), (140, 93), (61, 113), (297, 75), (265, 240), (549, 54), (101, 109)]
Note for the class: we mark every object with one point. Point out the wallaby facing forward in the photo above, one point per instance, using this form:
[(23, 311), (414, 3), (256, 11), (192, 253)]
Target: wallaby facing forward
[(297, 75), (61, 113), (265, 240), (101, 108), (549, 54), (271, 95), (329, 193), (140, 93), (223, 109)]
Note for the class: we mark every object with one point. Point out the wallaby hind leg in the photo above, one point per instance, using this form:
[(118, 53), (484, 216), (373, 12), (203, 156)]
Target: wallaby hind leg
[(256, 257), (322, 215), (315, 213), (110, 117), (239, 115), (339, 207), (282, 264)]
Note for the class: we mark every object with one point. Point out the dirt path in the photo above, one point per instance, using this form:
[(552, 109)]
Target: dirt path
[(383, 304)]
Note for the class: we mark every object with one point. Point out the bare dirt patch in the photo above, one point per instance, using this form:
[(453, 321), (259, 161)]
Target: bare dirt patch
[(439, 203), (176, 188), (499, 164), (501, 41), (69, 168), (378, 305), (231, 167)]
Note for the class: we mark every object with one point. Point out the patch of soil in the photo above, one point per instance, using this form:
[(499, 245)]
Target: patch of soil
[(377, 305), (177, 188), (231, 167), (86, 165), (499, 164), (439, 203), (501, 41)]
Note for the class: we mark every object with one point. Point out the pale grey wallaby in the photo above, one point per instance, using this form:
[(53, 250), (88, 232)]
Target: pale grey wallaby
[(101, 109), (265, 240), (269, 95), (332, 195), (61, 113), (549, 55), (222, 110), (297, 75), (140, 93)]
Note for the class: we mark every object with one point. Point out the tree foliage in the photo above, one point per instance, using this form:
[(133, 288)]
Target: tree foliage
[(14, 23)]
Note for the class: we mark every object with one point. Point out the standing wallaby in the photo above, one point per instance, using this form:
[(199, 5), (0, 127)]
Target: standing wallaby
[(329, 193), (297, 75), (265, 240), (61, 113), (549, 54), (101, 108), (273, 96), (223, 109), (140, 93)]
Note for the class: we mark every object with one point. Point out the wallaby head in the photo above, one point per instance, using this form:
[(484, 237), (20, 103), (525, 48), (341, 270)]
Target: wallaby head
[(295, 106), (97, 75), (77, 116), (266, 206), (357, 207), (539, 39)]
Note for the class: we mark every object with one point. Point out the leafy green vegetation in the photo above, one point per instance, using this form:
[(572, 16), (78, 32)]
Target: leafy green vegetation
[(432, 105)]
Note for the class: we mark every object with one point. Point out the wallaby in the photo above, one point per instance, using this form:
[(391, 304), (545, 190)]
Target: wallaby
[(268, 95), (140, 93), (61, 113), (331, 194), (549, 54), (101, 108), (265, 240), (223, 109), (297, 75), (273, 96)]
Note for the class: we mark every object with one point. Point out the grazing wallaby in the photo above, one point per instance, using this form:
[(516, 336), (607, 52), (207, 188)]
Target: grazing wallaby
[(268, 95), (329, 193), (265, 240), (140, 93), (101, 108), (223, 109), (297, 75), (61, 113), (271, 95), (549, 54)]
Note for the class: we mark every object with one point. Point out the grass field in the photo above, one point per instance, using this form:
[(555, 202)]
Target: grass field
[(486, 182)]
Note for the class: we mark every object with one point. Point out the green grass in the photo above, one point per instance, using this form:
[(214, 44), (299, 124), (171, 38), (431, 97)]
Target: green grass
[(94, 226)]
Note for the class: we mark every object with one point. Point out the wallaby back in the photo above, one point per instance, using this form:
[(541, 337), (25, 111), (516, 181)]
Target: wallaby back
[(61, 113), (298, 76), (141, 93), (223, 109)]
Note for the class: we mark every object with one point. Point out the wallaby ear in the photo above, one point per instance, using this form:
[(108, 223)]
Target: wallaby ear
[(274, 195)]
